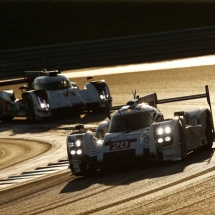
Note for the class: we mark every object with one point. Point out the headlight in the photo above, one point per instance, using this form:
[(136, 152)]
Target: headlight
[(78, 143), (75, 147), (73, 152), (167, 130), (79, 151), (167, 139), (104, 94), (163, 136), (71, 144), (160, 131), (160, 140), (43, 103)]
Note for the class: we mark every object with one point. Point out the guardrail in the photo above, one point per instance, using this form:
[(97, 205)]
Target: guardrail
[(124, 50)]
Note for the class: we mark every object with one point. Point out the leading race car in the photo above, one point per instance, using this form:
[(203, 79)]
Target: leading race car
[(138, 131), (50, 93)]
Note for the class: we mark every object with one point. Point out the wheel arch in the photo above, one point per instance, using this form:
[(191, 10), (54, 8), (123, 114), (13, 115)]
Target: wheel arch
[(102, 129)]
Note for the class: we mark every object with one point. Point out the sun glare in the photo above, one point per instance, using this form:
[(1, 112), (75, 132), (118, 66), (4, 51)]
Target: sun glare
[(180, 63)]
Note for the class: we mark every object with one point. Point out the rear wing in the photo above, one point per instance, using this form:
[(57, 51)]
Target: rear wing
[(183, 98), (29, 77), (13, 81), (152, 100)]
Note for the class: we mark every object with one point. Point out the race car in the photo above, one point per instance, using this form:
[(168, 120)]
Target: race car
[(138, 132), (50, 93)]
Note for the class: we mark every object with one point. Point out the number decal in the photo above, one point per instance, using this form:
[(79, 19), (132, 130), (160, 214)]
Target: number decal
[(120, 145)]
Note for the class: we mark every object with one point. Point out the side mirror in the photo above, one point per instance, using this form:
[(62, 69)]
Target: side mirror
[(90, 78), (158, 117), (79, 127), (179, 113)]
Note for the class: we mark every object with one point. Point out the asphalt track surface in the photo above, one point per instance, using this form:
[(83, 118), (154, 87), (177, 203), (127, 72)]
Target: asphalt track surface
[(185, 187)]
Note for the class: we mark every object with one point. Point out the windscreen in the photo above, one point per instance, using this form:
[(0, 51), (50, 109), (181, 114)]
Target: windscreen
[(130, 122), (58, 85)]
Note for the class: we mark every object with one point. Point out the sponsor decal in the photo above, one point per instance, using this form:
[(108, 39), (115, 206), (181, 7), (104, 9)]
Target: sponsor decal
[(58, 104), (69, 94), (58, 95)]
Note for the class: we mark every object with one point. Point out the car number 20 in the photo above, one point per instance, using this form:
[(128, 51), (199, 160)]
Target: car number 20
[(120, 145)]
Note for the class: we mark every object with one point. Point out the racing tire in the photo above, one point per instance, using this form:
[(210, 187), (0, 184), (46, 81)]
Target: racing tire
[(182, 140), (6, 118), (84, 172), (30, 110), (94, 110), (209, 132), (76, 112)]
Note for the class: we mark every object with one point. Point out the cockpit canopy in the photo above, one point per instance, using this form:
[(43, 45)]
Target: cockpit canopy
[(130, 122), (51, 83)]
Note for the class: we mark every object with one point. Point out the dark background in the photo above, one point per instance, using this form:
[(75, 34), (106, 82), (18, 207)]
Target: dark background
[(40, 23)]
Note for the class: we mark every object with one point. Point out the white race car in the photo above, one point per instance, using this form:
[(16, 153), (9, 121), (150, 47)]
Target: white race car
[(51, 93), (138, 132)]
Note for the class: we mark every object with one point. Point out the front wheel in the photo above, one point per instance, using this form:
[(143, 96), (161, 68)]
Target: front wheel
[(83, 169), (81, 166), (30, 109), (5, 118)]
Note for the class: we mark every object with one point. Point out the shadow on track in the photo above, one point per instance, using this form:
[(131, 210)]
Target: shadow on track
[(131, 173), (19, 126)]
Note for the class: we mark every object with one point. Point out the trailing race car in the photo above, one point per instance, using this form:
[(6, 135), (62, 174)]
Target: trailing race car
[(50, 93), (138, 132)]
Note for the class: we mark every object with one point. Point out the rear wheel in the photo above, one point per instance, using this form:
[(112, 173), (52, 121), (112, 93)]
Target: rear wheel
[(209, 132)]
